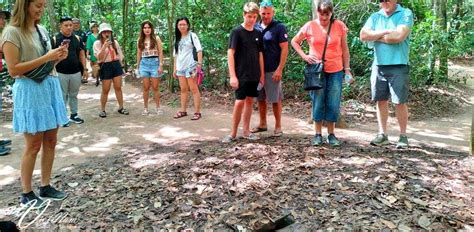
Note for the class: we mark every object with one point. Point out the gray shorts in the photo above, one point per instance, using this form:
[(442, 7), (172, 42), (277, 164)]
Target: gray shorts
[(272, 91), (390, 81)]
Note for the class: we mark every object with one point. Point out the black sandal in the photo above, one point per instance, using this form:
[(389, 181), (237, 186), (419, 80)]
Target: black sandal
[(123, 111), (103, 114)]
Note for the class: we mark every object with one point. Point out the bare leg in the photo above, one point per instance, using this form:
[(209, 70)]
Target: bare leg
[(318, 127), (32, 147), (105, 93), (331, 126), (183, 85), (382, 116), (155, 85), (247, 115), (118, 90), (402, 116), (146, 91), (277, 107), (192, 83), (47, 159), (236, 116), (262, 111)]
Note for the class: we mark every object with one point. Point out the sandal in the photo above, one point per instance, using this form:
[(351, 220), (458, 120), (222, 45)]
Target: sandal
[(196, 116), (123, 111), (258, 129), (180, 114), (103, 114)]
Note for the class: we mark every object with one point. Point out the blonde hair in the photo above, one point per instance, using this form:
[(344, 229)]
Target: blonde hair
[(251, 7), (20, 15)]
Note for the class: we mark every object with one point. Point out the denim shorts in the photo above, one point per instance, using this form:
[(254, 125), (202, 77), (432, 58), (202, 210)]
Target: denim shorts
[(149, 67), (189, 72), (390, 81), (327, 100)]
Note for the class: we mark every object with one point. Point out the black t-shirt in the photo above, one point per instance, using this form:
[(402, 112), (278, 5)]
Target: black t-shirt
[(72, 64), (247, 45)]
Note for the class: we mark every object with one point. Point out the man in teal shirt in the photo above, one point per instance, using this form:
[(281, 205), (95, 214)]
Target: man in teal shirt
[(389, 32)]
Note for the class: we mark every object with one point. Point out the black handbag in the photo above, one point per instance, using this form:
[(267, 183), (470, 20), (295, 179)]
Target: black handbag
[(40, 73), (314, 73), (195, 54)]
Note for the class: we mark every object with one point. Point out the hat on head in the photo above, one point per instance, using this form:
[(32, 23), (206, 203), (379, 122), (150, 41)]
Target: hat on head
[(65, 18), (266, 3), (104, 27), (7, 13), (93, 24), (76, 20)]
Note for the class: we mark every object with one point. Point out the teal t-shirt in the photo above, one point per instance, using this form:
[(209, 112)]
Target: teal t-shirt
[(391, 54), (89, 46)]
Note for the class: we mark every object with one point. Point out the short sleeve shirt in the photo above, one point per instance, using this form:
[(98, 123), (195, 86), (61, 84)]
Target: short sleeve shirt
[(111, 55), (30, 48), (316, 38), (273, 35), (391, 54), (72, 64), (247, 46), (184, 57), (89, 46)]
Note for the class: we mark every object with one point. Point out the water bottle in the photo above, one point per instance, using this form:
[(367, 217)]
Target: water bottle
[(347, 79), (260, 86)]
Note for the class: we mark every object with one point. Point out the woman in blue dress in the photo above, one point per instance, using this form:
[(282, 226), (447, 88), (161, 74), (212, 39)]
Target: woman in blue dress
[(39, 108)]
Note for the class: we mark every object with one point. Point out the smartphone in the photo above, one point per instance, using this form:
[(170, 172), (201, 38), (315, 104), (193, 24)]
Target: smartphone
[(65, 42)]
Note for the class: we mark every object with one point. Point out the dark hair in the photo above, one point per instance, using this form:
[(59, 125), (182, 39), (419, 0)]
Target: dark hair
[(141, 39), (325, 5), (178, 33), (102, 40)]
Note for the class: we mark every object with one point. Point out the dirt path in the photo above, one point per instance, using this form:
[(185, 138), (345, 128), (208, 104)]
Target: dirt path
[(99, 137)]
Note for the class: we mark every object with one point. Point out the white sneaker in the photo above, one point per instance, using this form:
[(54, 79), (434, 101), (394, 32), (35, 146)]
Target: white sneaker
[(228, 139), (159, 111), (145, 112)]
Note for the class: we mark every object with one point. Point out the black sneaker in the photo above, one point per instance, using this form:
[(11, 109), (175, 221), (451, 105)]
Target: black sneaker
[(75, 119), (84, 81), (48, 192), (31, 200), (66, 125), (4, 150), (5, 142)]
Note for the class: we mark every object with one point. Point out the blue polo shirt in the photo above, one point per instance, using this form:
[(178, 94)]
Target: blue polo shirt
[(391, 54), (274, 34)]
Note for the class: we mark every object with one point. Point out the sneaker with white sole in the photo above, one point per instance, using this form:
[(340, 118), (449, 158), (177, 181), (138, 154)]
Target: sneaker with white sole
[(145, 112), (159, 111), (228, 139), (75, 119), (31, 200)]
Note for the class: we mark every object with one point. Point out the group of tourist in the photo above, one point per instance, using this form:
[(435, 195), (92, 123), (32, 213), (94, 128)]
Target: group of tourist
[(48, 73)]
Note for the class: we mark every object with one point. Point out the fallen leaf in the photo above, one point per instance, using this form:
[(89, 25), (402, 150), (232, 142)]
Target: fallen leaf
[(424, 222), (73, 184), (389, 224)]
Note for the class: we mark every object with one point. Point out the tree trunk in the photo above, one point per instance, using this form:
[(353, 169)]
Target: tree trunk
[(52, 18), (171, 6), (442, 21), (125, 30)]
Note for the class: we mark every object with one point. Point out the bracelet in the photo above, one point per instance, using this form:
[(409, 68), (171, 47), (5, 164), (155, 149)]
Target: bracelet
[(347, 69)]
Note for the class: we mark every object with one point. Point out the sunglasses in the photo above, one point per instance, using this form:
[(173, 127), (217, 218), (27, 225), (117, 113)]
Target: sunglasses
[(382, 1), (266, 4), (65, 18)]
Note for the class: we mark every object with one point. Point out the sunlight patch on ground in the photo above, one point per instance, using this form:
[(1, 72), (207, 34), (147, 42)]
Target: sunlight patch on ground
[(153, 138), (176, 133), (157, 160), (429, 133), (360, 161), (8, 180), (6, 170), (131, 126)]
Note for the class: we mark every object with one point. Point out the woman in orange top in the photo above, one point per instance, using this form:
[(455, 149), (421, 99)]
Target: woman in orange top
[(326, 101)]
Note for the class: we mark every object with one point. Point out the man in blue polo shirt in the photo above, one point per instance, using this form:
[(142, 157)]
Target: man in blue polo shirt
[(389, 31), (275, 52)]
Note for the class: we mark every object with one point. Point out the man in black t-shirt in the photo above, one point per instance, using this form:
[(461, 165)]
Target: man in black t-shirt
[(245, 60), (70, 69)]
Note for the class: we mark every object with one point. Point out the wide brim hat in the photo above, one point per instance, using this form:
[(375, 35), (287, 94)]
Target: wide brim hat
[(91, 25), (7, 13), (104, 27)]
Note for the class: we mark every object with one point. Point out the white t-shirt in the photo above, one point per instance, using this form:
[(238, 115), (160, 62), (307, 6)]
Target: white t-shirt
[(184, 57)]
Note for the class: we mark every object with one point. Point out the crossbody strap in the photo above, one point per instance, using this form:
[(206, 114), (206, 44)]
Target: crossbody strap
[(192, 42), (327, 40)]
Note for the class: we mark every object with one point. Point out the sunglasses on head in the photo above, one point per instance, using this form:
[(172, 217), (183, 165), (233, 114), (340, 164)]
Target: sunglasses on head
[(65, 18), (382, 1), (266, 4)]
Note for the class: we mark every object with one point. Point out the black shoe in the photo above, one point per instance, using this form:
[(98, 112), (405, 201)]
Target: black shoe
[(66, 125), (4, 150), (75, 119), (84, 81), (27, 199), (48, 192), (5, 142)]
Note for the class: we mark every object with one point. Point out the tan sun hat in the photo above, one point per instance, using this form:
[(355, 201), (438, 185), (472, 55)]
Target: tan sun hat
[(104, 27)]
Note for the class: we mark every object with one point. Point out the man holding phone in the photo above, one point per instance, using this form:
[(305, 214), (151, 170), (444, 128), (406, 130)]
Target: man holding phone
[(69, 69)]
